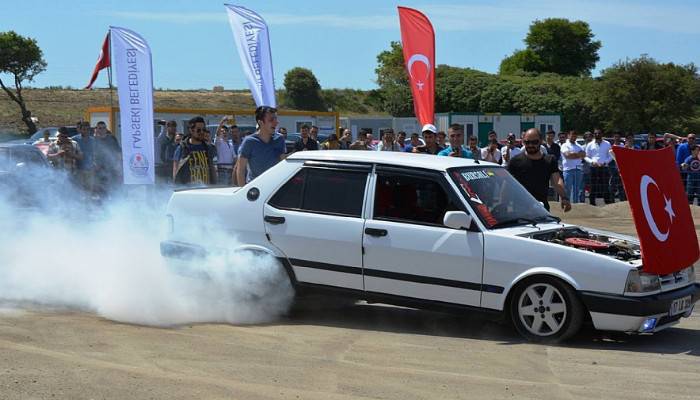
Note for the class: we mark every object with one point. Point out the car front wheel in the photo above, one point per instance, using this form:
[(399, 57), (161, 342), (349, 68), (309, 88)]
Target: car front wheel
[(545, 309)]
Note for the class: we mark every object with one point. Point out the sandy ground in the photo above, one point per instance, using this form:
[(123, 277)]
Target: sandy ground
[(349, 352)]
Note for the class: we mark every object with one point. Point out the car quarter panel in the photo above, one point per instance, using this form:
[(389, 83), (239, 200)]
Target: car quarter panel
[(508, 259)]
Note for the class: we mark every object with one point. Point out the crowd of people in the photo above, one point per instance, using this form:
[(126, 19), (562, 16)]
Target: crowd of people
[(562, 166)]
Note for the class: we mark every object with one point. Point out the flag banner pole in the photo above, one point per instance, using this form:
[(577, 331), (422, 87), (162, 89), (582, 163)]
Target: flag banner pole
[(253, 42), (418, 41), (133, 65), (660, 209)]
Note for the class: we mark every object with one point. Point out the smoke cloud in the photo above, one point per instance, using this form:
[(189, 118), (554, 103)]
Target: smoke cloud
[(61, 249)]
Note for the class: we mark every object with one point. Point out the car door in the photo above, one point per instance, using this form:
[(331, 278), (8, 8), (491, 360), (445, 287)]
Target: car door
[(315, 218), (408, 252)]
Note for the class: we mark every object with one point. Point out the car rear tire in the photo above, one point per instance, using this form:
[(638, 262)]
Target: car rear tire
[(545, 309)]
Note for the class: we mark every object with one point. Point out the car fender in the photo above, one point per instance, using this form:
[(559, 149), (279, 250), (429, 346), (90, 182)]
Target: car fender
[(281, 257)]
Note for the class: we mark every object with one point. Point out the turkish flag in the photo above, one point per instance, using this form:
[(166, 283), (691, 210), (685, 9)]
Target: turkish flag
[(103, 62), (418, 41), (659, 208)]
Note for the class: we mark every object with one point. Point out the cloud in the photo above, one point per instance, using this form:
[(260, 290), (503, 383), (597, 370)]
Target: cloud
[(481, 16)]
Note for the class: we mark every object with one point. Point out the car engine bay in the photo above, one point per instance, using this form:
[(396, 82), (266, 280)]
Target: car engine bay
[(598, 243)]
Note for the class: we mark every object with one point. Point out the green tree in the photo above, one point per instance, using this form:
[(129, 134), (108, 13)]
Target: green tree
[(642, 94), (302, 90), (556, 45), (393, 82), (22, 59)]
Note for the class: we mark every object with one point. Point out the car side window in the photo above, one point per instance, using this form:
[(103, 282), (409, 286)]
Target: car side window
[(324, 191), (411, 199), (35, 159)]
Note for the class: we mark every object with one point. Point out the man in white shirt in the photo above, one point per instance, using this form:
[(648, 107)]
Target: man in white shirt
[(572, 156), (225, 154), (598, 155), (510, 150)]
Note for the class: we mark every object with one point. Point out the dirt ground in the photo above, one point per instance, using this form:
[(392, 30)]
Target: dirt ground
[(351, 352)]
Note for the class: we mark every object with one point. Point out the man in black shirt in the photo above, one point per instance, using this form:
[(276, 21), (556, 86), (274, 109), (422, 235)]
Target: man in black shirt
[(305, 142), (535, 171)]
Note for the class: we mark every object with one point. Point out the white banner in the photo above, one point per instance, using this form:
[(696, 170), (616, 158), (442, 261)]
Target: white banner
[(253, 43), (131, 58)]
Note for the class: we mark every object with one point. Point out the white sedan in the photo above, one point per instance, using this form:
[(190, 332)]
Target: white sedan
[(432, 232)]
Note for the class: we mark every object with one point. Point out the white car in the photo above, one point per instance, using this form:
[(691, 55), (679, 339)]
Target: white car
[(433, 232)]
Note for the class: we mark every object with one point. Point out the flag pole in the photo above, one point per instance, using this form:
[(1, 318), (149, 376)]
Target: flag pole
[(109, 78)]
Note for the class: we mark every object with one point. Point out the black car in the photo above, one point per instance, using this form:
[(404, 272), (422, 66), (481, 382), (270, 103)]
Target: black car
[(24, 173)]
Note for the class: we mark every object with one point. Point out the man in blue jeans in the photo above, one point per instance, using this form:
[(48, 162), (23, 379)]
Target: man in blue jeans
[(572, 156)]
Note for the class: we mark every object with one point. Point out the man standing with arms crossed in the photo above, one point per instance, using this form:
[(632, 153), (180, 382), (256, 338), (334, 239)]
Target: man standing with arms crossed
[(572, 156), (261, 150)]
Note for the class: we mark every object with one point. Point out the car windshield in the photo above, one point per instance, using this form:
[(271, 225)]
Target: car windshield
[(497, 198)]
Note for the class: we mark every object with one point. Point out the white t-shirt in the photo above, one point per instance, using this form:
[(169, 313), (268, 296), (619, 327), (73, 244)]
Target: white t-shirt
[(598, 153), (570, 148), (513, 152), (495, 157)]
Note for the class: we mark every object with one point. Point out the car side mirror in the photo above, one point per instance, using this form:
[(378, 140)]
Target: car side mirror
[(457, 220)]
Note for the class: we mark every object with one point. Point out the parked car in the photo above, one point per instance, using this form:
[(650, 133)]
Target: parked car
[(24, 173), (432, 232)]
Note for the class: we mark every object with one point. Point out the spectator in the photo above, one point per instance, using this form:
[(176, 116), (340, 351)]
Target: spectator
[(193, 161), (615, 181), (572, 157), (441, 139), (491, 153), (586, 167), (44, 143), (535, 171), (691, 165), (684, 149), (64, 153), (415, 142), (261, 150), (598, 156), (225, 153), (345, 139), (166, 145), (369, 140), (361, 142), (313, 133), (652, 143), (108, 163), (629, 141), (178, 140), (474, 147), (552, 147), (86, 165), (456, 147), (305, 142), (508, 151), (431, 146), (282, 131), (492, 135), (332, 143), (401, 140), (388, 143), (562, 138)]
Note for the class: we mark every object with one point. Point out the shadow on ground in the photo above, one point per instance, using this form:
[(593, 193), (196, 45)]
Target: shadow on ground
[(376, 317)]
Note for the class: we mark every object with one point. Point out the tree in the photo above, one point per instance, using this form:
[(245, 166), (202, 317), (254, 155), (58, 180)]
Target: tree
[(556, 45), (303, 92), (393, 82), (644, 95), (21, 58)]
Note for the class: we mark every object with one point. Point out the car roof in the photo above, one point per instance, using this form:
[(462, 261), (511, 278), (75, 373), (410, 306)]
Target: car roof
[(425, 161)]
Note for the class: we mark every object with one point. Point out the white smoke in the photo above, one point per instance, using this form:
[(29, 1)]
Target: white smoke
[(105, 258)]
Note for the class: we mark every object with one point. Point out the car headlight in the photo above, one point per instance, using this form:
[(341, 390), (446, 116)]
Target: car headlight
[(640, 282)]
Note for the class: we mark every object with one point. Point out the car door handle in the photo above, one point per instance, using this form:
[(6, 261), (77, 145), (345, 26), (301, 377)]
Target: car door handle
[(376, 232), (274, 220)]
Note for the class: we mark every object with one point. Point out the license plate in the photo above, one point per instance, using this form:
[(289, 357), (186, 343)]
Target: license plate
[(679, 306)]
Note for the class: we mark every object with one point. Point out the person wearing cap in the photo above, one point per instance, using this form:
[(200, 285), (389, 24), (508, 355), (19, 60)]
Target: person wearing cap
[(431, 145), (456, 147)]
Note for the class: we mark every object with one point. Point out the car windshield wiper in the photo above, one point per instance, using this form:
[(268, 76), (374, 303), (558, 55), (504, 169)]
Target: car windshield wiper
[(514, 221), (545, 217)]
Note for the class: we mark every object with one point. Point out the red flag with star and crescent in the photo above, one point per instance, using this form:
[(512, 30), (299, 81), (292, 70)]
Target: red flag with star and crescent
[(418, 41), (103, 61), (660, 209)]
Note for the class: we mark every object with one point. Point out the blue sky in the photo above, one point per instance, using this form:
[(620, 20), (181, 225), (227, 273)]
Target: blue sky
[(193, 47)]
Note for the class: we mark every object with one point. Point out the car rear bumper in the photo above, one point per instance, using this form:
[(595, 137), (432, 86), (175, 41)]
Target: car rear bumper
[(628, 314)]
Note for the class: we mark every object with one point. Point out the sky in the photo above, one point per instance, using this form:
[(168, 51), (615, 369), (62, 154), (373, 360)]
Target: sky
[(193, 46)]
